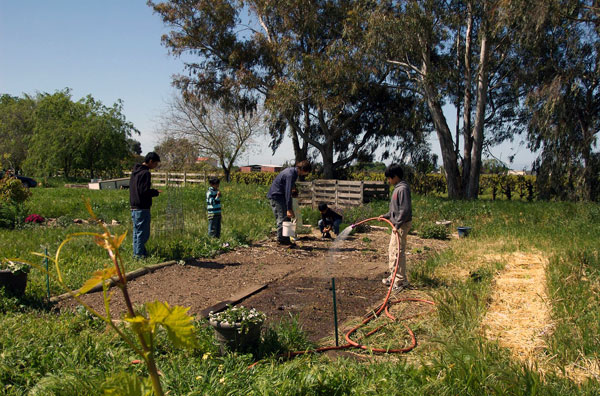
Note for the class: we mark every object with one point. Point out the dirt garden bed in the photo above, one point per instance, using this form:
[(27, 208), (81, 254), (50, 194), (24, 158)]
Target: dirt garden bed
[(297, 280)]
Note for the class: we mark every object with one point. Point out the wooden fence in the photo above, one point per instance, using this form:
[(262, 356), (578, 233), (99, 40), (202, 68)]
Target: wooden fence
[(341, 193), (180, 178), (335, 193)]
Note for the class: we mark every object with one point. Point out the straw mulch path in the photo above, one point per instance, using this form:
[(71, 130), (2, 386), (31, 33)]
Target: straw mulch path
[(519, 314)]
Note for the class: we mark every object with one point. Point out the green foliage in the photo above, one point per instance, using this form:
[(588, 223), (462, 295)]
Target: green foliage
[(12, 198), (12, 191), (63, 135), (16, 128), (493, 166), (289, 336), (434, 231), (262, 178), (126, 384)]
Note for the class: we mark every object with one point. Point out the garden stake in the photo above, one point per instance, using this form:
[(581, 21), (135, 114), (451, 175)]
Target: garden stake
[(335, 320), (47, 274)]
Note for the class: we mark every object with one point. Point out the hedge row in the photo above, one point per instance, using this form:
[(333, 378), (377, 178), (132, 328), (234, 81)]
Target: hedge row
[(510, 186)]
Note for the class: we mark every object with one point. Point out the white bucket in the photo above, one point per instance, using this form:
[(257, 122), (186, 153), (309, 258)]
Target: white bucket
[(289, 229)]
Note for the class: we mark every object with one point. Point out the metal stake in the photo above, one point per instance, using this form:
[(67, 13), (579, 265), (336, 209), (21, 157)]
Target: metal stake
[(335, 320)]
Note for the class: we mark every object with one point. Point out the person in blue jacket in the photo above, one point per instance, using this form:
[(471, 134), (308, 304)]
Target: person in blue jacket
[(280, 196)]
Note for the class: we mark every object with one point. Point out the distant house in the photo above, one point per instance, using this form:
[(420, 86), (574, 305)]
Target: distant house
[(208, 161), (518, 172), (260, 168)]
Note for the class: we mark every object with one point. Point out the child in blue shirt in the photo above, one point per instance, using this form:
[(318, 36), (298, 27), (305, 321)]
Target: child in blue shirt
[(213, 207)]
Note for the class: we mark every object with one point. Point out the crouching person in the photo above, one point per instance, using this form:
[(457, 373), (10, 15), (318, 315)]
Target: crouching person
[(329, 221)]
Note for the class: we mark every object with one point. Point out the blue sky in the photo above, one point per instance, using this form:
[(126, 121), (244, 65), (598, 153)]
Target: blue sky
[(111, 49)]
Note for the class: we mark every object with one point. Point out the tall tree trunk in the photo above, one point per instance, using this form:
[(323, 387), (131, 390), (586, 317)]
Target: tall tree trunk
[(300, 152), (482, 83), (444, 134), (458, 99), (588, 175), (301, 145), (327, 155), (468, 137)]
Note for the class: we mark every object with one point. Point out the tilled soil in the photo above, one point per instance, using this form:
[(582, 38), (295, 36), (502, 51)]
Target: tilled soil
[(298, 280)]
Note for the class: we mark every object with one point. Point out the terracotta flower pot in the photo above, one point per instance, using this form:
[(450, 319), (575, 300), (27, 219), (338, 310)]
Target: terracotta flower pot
[(13, 282), (230, 338)]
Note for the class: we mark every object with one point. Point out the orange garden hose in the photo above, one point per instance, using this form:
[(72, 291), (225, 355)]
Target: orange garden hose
[(383, 307)]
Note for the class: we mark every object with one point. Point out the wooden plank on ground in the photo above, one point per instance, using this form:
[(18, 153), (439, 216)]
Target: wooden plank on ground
[(236, 298), (112, 281)]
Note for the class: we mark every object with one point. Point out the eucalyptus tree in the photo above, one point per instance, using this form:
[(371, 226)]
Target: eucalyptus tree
[(560, 68), (305, 60), (458, 52)]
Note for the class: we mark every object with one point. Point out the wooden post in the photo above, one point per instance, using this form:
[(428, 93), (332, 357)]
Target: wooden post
[(166, 179), (336, 187), (184, 178), (362, 191), (312, 194)]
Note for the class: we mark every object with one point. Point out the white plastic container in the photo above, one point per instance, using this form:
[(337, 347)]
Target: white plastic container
[(289, 229)]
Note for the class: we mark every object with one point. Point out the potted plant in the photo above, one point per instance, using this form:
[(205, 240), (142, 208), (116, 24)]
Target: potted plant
[(13, 276), (237, 328)]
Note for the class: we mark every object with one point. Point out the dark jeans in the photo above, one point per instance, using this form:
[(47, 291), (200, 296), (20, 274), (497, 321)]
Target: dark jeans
[(279, 210), (336, 225), (214, 226), (141, 231)]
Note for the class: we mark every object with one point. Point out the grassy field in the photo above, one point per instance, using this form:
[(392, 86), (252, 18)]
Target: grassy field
[(75, 354)]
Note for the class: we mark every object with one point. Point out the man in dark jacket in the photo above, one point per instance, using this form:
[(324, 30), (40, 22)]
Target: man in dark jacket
[(140, 199), (280, 195)]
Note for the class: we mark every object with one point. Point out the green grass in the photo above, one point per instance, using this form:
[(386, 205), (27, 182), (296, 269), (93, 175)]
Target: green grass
[(73, 351), (247, 216)]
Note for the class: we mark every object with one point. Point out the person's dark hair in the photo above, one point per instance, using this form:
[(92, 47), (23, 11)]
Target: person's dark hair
[(394, 170), (304, 166), (151, 156), (323, 206), (214, 180)]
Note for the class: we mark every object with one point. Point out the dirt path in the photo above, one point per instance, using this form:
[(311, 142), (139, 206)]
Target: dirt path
[(298, 279)]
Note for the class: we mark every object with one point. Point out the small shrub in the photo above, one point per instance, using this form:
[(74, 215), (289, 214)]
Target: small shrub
[(434, 231), (12, 196), (12, 191)]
